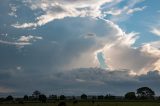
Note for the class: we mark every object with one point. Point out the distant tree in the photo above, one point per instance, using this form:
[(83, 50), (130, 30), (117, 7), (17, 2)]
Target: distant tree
[(36, 94), (62, 97), (9, 98), (73, 97), (20, 100), (42, 98), (54, 97), (145, 93), (25, 97), (84, 96), (100, 97), (130, 95), (94, 97), (2, 99), (109, 97)]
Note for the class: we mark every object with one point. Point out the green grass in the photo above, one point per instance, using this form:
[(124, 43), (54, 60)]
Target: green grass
[(89, 104)]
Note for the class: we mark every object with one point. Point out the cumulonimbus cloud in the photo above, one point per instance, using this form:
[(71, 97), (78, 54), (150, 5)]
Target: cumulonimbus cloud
[(121, 54)]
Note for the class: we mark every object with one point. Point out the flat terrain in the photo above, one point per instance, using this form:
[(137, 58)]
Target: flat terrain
[(88, 104)]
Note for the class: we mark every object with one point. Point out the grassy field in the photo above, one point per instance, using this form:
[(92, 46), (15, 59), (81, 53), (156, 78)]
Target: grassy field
[(88, 104)]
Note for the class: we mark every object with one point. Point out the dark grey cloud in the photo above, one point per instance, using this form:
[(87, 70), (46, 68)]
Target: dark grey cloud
[(85, 80)]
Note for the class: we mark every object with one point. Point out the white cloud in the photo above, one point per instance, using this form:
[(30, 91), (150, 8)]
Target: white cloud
[(88, 57), (29, 38), (13, 10), (131, 11), (22, 41), (59, 9), (25, 25), (124, 10), (25, 38), (15, 43), (155, 44), (56, 12), (120, 54), (156, 31), (119, 51), (153, 50), (122, 13), (18, 67)]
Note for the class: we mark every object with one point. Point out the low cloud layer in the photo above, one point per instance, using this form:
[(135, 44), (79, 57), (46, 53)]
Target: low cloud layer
[(92, 81)]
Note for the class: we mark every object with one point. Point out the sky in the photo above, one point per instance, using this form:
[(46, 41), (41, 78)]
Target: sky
[(79, 46)]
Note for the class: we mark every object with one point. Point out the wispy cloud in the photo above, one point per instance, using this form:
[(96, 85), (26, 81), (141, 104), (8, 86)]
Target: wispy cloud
[(13, 10), (131, 11), (15, 43), (156, 31), (29, 38), (6, 90), (22, 41), (122, 13), (125, 10)]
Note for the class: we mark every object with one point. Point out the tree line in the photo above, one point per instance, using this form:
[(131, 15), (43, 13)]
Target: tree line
[(143, 93)]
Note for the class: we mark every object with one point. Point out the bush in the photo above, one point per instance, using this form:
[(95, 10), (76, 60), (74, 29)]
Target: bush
[(84, 96), (130, 95), (62, 97), (9, 98)]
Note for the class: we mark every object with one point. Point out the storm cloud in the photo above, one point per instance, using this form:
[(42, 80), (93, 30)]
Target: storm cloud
[(54, 46)]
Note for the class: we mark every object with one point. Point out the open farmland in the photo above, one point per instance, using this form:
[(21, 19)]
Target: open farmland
[(87, 104)]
